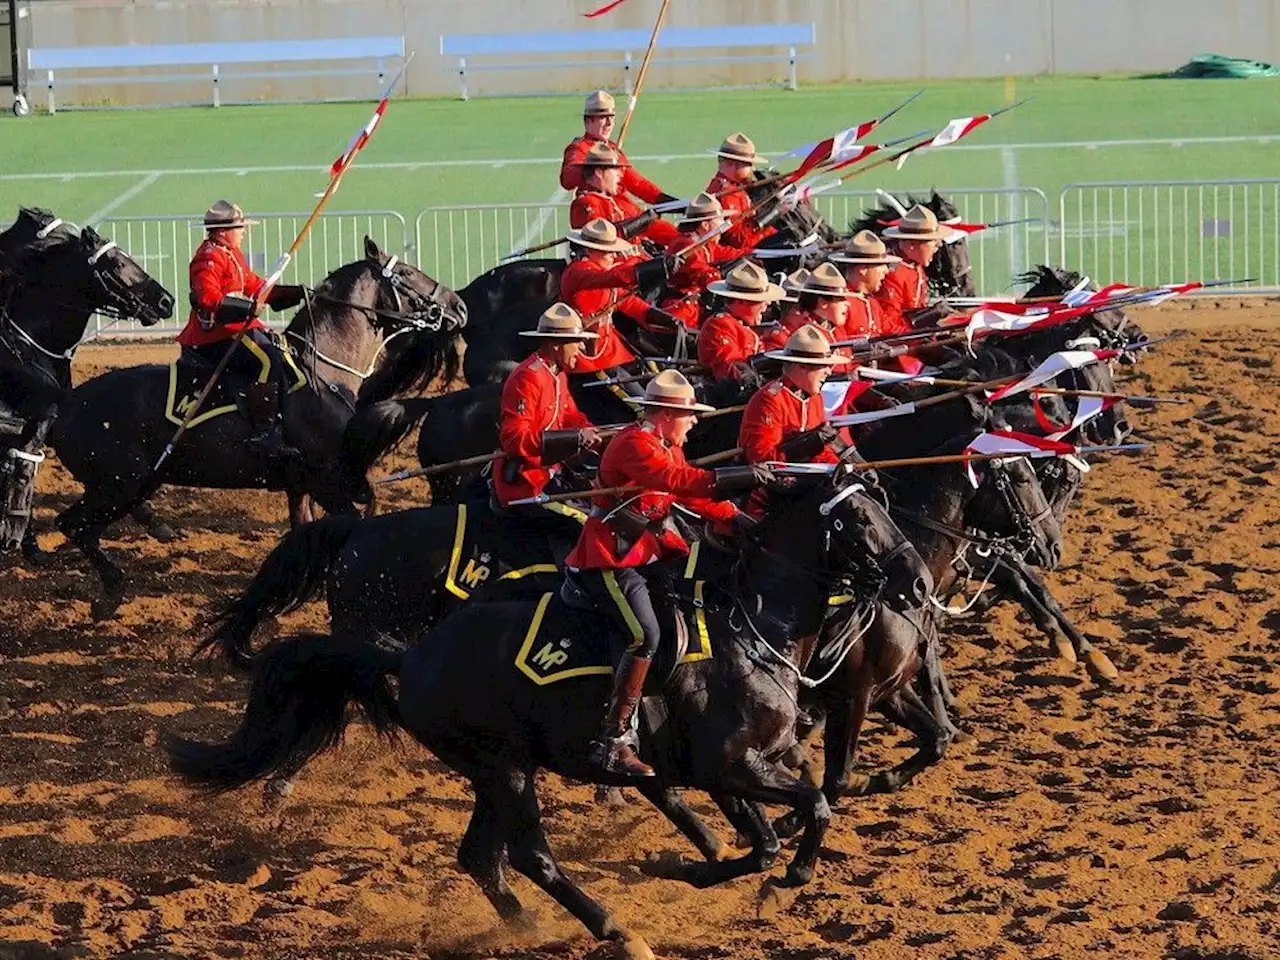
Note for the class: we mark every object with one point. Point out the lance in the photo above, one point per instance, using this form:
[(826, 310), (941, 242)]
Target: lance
[(852, 465), (644, 69), (278, 270)]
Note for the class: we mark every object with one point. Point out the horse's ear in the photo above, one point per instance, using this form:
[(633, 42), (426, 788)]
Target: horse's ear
[(371, 250), (89, 238)]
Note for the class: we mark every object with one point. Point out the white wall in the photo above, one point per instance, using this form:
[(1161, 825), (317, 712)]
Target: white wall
[(858, 39)]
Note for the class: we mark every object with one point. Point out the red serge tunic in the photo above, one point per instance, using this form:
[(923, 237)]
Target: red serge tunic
[(589, 204), (743, 233), (535, 398), (588, 288), (217, 270), (723, 341), (693, 275), (637, 456), (905, 288), (778, 411), (632, 181), (870, 317)]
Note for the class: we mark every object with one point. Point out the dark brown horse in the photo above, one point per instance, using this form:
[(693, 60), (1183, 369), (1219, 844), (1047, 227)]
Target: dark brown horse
[(336, 339)]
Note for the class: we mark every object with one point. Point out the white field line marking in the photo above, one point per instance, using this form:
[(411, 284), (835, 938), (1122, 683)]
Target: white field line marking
[(101, 214), (661, 158), (548, 210)]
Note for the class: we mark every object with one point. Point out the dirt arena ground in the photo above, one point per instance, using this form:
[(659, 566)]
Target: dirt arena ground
[(1140, 819)]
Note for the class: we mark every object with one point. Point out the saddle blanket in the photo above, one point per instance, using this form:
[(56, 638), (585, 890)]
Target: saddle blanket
[(187, 377)]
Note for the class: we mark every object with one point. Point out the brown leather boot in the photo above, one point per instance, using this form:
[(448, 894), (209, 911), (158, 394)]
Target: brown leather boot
[(613, 751)]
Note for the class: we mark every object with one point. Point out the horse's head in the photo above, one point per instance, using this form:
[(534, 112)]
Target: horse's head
[(407, 297), (843, 518), (1010, 502), (951, 272), (798, 224), (32, 224), (118, 286)]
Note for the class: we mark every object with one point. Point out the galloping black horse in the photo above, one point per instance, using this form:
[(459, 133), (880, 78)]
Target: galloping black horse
[(51, 282), (335, 338), (728, 717)]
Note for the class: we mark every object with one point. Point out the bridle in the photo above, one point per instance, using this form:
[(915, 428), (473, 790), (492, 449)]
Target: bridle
[(427, 314)]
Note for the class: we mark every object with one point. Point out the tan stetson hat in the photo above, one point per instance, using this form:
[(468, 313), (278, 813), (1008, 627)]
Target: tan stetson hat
[(806, 345), (702, 207), (865, 249), (825, 280), (601, 155), (599, 104), (559, 322), (599, 234), (919, 223), (747, 281), (670, 390), (792, 284), (225, 215), (738, 146)]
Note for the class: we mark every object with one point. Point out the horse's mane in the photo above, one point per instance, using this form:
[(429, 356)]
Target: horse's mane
[(920, 487), (40, 247), (341, 283), (1048, 281)]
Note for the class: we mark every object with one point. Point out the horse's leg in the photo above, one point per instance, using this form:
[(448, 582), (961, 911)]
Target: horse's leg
[(687, 822), (480, 854), (751, 823), (83, 524), (933, 678), (906, 709), (1033, 594), (753, 777), (846, 712), (32, 553), (299, 508), (145, 514), (515, 802)]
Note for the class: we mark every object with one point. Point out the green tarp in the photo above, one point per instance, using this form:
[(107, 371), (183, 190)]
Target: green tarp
[(1213, 66)]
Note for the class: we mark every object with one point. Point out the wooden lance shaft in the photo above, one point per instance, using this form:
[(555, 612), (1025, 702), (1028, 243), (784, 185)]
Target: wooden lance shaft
[(644, 70)]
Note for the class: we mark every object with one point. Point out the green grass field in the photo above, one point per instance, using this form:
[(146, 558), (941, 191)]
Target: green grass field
[(432, 153)]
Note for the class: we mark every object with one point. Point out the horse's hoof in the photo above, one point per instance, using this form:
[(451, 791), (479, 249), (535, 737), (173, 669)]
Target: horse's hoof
[(105, 608), (858, 787), (632, 947), (742, 841), (1101, 666), (788, 825), (275, 793), (797, 876), (163, 532), (612, 797), (1065, 650)]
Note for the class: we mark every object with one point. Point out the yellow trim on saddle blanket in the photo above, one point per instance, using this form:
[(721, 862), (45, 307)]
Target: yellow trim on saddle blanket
[(475, 574), (175, 410)]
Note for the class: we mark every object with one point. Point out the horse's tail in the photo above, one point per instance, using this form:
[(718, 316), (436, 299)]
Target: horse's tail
[(377, 428), (297, 708), (293, 573)]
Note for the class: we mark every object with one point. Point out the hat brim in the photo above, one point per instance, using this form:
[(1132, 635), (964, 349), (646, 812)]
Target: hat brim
[(888, 260), (824, 292), (771, 294), (680, 407), (701, 219), (232, 224), (618, 246), (753, 159), (829, 361), (896, 233), (582, 336)]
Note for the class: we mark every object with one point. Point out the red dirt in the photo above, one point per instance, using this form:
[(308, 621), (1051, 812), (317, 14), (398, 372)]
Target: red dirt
[(1131, 820)]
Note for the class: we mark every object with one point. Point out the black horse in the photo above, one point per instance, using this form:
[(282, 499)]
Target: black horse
[(727, 717), (335, 338), (52, 280)]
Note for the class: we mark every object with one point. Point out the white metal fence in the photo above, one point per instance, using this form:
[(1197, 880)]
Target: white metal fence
[(457, 243), (165, 245), (1170, 230), (1139, 233)]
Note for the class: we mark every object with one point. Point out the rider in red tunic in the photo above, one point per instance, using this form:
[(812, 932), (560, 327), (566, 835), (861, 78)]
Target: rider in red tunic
[(906, 288), (729, 339), (626, 532), (597, 121), (535, 403), (597, 283), (867, 263), (785, 420), (738, 159), (696, 271), (223, 288), (821, 303), (601, 195)]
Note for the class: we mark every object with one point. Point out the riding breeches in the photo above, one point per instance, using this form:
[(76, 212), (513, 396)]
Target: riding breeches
[(623, 596), (258, 358)]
